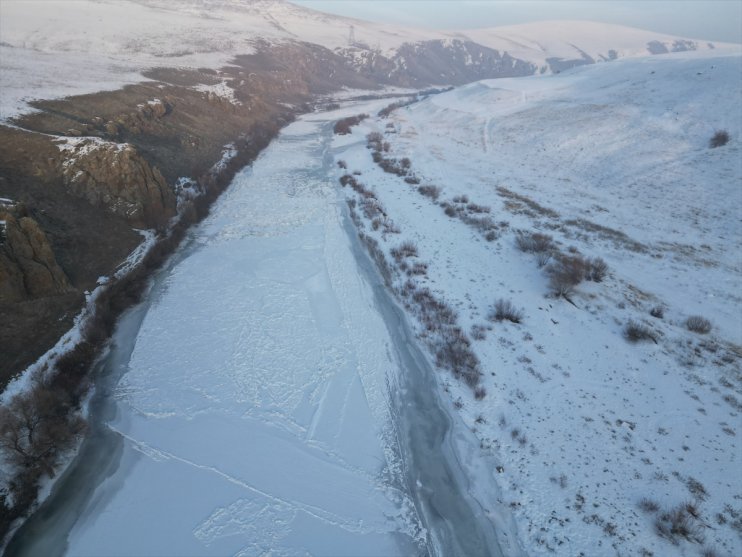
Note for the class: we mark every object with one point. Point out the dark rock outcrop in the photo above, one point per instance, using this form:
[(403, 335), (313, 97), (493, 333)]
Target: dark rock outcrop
[(114, 176), (438, 62), (28, 268)]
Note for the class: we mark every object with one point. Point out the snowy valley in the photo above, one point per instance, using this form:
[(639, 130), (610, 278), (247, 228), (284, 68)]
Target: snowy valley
[(321, 286)]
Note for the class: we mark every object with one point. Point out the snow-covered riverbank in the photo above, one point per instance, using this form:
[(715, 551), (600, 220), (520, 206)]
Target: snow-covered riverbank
[(602, 444)]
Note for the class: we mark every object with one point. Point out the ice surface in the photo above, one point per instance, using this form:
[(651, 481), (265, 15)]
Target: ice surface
[(255, 410)]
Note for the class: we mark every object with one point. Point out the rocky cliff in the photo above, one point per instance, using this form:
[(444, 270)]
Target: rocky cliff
[(28, 268), (117, 178)]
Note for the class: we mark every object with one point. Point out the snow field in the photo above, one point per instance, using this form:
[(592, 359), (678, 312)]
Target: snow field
[(613, 160)]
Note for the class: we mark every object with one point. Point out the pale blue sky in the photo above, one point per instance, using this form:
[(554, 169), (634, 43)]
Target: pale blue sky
[(715, 20)]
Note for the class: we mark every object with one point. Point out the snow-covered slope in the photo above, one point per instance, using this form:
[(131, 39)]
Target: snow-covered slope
[(588, 40), (589, 430), (53, 49)]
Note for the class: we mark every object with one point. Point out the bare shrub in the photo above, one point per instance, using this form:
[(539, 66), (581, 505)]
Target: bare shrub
[(342, 164), (657, 312), (372, 208), (455, 353), (450, 210), (478, 332), (405, 249), (36, 427), (461, 199), (635, 332), (720, 137), (480, 392), (698, 324), (543, 258), (412, 180), (678, 523), (433, 192), (406, 163), (597, 269), (390, 227), (534, 242), (418, 269), (566, 273), (696, 489), (490, 236), (505, 310), (649, 505), (375, 140), (474, 208)]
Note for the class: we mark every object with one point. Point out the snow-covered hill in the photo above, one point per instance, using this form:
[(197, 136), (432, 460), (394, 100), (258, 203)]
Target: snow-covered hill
[(54, 49), (604, 446)]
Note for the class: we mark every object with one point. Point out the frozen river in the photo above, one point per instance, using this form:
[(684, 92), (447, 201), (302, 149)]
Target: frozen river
[(272, 401)]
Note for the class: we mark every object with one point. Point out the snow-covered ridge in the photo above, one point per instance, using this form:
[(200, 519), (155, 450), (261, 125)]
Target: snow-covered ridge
[(108, 43)]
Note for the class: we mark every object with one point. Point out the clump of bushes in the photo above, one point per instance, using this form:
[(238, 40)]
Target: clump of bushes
[(342, 127), (677, 523), (698, 324), (505, 310), (720, 137)]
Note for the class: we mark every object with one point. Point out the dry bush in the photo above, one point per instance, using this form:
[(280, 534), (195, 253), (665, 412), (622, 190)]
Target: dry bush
[(433, 192), (480, 392), (375, 140), (390, 227), (657, 312), (490, 236), (534, 242), (36, 427), (597, 269), (505, 310), (566, 273), (698, 324), (720, 137), (418, 269), (474, 208), (461, 199), (405, 249), (449, 210), (649, 505), (342, 164), (635, 332), (543, 258), (412, 180), (677, 523)]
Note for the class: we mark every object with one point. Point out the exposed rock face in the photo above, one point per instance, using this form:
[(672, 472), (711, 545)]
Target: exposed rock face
[(116, 177), (28, 268), (438, 62)]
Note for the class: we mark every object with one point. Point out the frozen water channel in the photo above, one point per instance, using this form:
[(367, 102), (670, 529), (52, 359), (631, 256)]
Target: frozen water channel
[(273, 400)]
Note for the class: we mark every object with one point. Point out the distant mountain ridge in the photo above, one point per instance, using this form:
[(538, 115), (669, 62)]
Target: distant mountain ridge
[(107, 43)]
